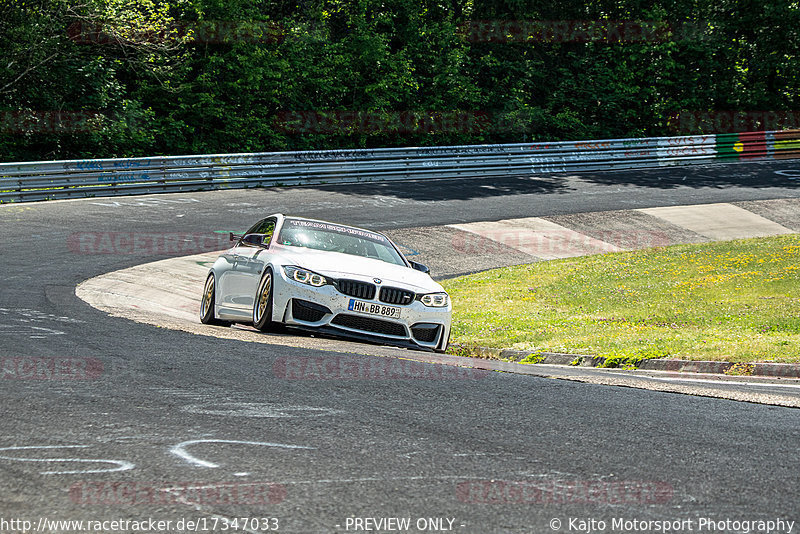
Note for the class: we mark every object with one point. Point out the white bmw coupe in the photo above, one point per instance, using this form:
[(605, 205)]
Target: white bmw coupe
[(330, 278)]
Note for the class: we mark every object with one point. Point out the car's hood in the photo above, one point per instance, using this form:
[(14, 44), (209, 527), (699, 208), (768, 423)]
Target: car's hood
[(337, 265)]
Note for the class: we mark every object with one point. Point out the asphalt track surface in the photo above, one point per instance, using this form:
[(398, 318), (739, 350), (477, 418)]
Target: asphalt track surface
[(171, 425)]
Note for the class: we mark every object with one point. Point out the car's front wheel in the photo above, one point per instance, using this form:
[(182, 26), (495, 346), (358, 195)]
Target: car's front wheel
[(262, 308), (207, 303)]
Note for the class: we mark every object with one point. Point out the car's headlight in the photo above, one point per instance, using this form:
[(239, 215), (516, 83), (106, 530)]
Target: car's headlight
[(304, 276), (434, 300)]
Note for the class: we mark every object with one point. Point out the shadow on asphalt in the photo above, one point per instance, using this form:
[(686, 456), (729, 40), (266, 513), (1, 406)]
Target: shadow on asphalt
[(719, 176), (754, 175), (457, 189)]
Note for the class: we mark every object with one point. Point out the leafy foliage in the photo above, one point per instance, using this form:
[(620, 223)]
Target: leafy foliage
[(212, 76)]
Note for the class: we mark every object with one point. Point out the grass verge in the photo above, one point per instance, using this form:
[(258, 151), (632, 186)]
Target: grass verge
[(735, 301)]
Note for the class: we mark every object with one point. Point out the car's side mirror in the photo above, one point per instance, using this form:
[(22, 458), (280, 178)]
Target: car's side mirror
[(419, 267), (255, 240)]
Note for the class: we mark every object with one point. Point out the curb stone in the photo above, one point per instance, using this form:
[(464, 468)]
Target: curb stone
[(764, 369)]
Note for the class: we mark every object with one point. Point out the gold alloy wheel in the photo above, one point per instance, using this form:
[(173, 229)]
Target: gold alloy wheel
[(264, 296), (208, 296)]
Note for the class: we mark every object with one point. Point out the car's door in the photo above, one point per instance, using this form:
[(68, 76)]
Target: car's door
[(224, 300), (251, 260), (229, 282)]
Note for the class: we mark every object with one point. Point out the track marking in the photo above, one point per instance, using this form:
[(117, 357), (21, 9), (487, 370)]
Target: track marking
[(719, 382), (258, 409), (792, 174), (179, 450), (121, 465)]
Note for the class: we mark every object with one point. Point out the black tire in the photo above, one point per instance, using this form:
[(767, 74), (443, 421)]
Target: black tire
[(262, 307), (207, 303)]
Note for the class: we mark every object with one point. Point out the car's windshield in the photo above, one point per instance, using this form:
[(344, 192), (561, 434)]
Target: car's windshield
[(337, 238)]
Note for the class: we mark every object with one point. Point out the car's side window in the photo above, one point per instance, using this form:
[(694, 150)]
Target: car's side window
[(267, 228), (254, 229), (264, 228)]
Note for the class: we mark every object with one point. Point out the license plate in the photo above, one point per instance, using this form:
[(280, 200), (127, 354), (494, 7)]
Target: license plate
[(372, 308)]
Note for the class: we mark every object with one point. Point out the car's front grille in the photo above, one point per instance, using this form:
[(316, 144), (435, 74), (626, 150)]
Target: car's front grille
[(356, 288), (393, 295), (302, 310), (425, 332), (368, 324)]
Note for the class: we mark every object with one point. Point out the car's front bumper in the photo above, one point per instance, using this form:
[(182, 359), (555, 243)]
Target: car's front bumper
[(326, 309)]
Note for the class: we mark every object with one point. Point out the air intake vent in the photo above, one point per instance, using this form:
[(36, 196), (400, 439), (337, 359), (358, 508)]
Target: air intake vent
[(302, 310), (425, 332), (368, 324)]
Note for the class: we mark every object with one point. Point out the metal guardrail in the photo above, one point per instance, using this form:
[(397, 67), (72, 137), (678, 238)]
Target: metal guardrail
[(43, 180)]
